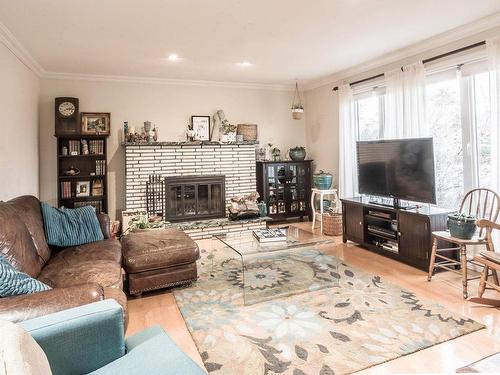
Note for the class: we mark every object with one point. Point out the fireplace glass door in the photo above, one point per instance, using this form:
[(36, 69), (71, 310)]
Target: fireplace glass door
[(195, 197)]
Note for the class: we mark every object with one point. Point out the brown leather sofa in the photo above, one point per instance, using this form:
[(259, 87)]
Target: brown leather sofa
[(78, 275)]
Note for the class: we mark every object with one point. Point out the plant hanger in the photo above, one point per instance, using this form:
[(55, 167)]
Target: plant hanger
[(297, 107)]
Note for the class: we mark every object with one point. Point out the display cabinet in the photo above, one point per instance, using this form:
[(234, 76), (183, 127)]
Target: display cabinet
[(285, 186)]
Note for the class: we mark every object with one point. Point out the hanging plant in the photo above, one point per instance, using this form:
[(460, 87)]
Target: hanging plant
[(297, 107)]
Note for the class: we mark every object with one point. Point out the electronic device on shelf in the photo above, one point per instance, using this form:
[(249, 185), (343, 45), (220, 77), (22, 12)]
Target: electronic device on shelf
[(383, 215), (382, 231), (400, 169)]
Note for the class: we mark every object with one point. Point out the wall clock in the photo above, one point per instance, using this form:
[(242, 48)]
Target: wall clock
[(67, 119)]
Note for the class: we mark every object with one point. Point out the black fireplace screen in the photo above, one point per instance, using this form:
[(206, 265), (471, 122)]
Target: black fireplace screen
[(194, 197)]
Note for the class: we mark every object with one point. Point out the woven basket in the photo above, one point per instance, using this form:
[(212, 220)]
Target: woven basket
[(332, 224), (248, 131)]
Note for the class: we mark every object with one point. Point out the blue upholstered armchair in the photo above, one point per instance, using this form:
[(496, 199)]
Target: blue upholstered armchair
[(90, 340)]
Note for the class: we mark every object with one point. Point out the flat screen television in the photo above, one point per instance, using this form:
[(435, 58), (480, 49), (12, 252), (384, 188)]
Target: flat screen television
[(402, 169)]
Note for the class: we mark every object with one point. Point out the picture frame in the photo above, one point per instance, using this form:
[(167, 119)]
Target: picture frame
[(97, 188), (82, 189), (201, 127), (95, 123)]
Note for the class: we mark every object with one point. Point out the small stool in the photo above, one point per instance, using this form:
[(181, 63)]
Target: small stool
[(157, 259), (322, 193)]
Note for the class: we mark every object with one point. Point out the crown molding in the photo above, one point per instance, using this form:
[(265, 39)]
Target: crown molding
[(437, 41), (10, 41), (167, 81)]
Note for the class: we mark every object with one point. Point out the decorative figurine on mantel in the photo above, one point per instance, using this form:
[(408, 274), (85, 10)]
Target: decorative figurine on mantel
[(219, 117), (126, 131), (147, 131), (190, 133), (155, 133)]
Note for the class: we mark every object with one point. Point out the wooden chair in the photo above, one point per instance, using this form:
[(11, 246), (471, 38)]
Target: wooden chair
[(484, 204), (490, 262)]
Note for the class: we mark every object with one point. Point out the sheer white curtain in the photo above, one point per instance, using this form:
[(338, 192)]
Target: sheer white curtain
[(493, 51), (405, 102), (348, 175)]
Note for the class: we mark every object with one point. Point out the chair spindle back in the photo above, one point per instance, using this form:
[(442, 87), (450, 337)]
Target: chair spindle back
[(483, 204)]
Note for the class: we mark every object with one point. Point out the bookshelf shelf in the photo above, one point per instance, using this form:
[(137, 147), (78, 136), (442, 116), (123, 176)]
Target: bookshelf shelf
[(91, 158)]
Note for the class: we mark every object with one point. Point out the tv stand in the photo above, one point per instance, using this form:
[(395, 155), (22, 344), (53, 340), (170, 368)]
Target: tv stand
[(403, 234), (396, 203)]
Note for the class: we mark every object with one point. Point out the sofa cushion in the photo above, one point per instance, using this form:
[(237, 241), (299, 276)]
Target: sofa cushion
[(70, 227), (28, 209), (106, 273), (155, 249), (14, 282), (109, 249), (19, 352), (16, 243)]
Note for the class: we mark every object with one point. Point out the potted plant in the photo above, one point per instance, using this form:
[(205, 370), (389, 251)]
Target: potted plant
[(461, 225), (142, 223), (297, 153), (276, 152), (297, 107), (322, 180), (228, 131), (297, 111)]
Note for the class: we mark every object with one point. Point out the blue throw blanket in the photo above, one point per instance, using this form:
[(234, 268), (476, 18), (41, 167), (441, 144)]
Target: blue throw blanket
[(70, 227)]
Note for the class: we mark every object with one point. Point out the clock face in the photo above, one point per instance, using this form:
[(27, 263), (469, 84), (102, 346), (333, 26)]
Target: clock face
[(66, 109)]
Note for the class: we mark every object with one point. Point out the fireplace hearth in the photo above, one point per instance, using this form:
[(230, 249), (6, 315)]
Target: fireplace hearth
[(194, 198)]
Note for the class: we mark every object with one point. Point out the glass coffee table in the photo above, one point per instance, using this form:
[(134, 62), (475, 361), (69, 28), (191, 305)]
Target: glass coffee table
[(277, 269)]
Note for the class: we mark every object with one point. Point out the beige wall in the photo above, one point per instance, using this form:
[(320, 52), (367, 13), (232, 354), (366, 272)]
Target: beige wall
[(322, 130), (168, 106), (19, 88)]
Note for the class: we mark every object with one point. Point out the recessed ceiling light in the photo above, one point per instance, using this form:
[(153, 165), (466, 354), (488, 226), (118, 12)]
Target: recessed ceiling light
[(173, 57), (245, 63)]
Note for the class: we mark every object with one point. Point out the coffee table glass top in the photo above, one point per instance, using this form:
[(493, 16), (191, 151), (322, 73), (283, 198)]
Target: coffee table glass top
[(246, 244)]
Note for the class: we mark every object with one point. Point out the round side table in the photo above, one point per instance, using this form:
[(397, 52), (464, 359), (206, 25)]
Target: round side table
[(315, 212)]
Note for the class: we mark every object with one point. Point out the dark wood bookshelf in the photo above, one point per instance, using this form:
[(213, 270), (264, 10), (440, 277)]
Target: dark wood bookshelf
[(87, 165)]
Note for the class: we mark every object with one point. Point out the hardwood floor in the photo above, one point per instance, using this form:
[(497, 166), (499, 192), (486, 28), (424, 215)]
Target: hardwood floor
[(445, 289)]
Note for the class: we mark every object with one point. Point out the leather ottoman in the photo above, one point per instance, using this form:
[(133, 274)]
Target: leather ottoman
[(156, 259)]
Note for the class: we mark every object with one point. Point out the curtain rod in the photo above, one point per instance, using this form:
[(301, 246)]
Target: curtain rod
[(430, 59)]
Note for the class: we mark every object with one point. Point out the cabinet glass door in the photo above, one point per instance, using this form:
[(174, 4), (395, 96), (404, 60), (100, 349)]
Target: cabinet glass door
[(276, 180), (297, 187)]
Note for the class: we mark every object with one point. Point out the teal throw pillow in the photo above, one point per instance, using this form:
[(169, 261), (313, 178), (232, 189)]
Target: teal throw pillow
[(14, 282), (70, 226)]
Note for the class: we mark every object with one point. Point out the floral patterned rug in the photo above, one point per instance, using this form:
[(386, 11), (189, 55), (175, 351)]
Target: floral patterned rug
[(334, 328)]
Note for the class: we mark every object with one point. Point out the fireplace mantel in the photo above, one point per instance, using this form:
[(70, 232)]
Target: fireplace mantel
[(187, 143)]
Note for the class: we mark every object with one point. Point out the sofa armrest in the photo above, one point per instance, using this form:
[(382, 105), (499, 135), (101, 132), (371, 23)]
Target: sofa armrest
[(82, 339), (29, 306), (105, 224)]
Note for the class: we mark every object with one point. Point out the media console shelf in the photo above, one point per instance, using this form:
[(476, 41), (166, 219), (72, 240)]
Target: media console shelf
[(404, 235)]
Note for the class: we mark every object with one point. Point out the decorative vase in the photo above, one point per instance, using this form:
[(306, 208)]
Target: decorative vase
[(297, 154), (322, 180), (461, 226)]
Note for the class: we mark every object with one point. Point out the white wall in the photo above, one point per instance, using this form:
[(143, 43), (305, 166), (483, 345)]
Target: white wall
[(19, 88), (322, 120), (168, 106)]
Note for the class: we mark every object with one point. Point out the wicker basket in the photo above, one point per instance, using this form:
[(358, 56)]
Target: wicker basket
[(248, 131), (332, 224)]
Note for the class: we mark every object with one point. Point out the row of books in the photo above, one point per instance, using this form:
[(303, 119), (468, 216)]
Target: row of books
[(100, 167), (96, 146), (66, 189), (74, 147), (96, 204)]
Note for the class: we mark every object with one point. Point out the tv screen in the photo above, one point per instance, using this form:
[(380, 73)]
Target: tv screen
[(397, 168)]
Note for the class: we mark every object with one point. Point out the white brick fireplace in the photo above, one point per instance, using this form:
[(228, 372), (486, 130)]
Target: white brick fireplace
[(235, 161)]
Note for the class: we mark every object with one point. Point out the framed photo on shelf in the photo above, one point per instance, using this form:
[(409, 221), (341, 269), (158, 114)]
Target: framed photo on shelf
[(201, 127), (97, 188), (82, 188), (94, 123)]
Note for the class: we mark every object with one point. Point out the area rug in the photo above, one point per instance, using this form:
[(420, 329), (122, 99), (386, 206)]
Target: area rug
[(359, 322)]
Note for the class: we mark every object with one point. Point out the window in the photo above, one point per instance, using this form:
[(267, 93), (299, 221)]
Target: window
[(370, 116), (443, 117), (458, 115)]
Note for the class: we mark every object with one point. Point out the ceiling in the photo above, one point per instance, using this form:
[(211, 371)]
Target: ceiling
[(283, 39)]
